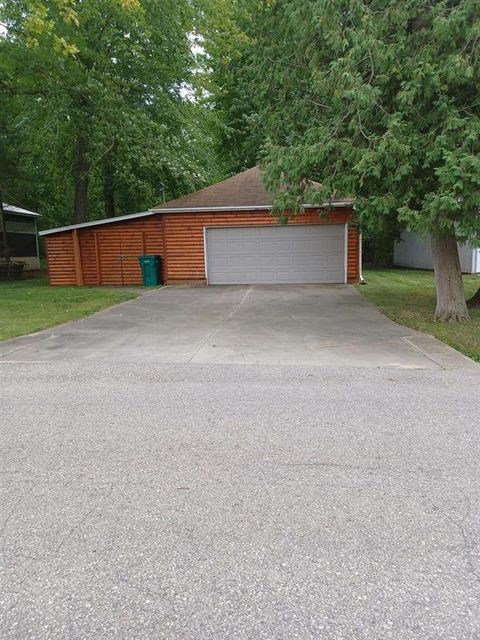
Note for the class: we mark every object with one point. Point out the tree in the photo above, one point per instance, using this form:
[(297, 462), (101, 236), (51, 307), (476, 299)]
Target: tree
[(229, 31), (101, 116), (379, 100)]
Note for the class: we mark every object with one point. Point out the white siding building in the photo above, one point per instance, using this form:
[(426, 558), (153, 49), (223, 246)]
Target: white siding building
[(414, 251), (22, 236)]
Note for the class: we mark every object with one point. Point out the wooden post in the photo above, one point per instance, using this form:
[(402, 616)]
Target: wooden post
[(78, 258), (165, 250), (97, 258)]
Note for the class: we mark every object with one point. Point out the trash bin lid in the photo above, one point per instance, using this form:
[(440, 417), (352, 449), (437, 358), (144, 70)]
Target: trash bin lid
[(148, 258)]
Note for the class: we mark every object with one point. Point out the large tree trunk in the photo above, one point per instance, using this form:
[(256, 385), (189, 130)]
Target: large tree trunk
[(81, 181), (451, 303), (474, 300)]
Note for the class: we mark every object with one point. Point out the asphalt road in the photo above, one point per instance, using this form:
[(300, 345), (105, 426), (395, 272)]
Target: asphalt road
[(221, 501), (196, 501)]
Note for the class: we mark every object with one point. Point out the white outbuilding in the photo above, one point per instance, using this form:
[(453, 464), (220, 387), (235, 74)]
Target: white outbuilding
[(414, 251)]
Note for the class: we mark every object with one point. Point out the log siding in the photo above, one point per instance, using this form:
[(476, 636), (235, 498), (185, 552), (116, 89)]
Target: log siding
[(108, 254)]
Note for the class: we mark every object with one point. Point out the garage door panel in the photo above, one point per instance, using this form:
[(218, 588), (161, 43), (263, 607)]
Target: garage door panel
[(235, 262), (276, 254), (283, 260), (249, 261), (233, 246), (266, 261)]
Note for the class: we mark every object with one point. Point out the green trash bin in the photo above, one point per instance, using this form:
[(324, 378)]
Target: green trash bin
[(150, 268)]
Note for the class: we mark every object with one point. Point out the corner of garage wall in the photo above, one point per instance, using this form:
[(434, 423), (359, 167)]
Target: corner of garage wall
[(353, 248), (60, 259)]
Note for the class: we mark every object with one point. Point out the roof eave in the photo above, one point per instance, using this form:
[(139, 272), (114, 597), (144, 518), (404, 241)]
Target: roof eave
[(151, 212), (18, 211), (265, 207), (96, 223)]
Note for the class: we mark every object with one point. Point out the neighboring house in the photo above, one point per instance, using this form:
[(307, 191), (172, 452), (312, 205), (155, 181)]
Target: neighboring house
[(223, 234), (22, 236), (414, 251)]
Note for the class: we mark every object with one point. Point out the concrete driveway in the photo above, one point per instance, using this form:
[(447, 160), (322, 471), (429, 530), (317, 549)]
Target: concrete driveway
[(298, 325), (153, 488)]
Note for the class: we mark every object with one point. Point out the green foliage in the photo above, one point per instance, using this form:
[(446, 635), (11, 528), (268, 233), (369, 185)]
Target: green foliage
[(378, 100), (112, 72), (230, 58), (378, 240)]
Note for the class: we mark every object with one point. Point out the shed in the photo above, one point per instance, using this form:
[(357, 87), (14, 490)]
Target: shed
[(22, 236), (223, 234), (414, 251)]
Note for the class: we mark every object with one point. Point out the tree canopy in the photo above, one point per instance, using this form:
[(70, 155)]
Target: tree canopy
[(231, 60), (96, 106), (377, 100)]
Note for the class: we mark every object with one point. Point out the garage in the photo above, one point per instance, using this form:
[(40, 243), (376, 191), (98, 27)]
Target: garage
[(224, 234), (276, 255)]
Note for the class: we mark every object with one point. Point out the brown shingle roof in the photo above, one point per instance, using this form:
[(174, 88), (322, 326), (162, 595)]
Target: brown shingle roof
[(246, 189)]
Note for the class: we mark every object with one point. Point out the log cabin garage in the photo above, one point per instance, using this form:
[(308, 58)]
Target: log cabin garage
[(223, 234)]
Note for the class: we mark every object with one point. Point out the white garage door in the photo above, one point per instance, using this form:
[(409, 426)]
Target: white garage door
[(276, 254)]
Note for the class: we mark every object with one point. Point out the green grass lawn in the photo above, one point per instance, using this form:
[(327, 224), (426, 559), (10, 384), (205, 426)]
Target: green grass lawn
[(408, 297), (30, 305)]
